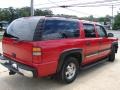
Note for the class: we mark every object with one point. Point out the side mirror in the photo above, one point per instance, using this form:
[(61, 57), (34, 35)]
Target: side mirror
[(110, 35)]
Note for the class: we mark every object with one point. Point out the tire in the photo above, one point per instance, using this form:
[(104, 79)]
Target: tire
[(69, 70), (112, 55)]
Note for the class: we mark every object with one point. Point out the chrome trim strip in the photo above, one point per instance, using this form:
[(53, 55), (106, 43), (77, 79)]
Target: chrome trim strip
[(96, 53), (91, 55)]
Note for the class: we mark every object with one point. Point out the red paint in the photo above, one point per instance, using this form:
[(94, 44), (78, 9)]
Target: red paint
[(52, 49)]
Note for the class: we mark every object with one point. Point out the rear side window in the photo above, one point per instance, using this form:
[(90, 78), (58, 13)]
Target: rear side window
[(89, 30), (101, 31), (57, 29)]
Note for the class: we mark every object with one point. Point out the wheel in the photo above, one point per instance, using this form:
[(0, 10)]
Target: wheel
[(112, 54), (69, 70)]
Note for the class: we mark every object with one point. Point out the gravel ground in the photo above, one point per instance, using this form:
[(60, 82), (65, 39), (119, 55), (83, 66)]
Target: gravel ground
[(104, 76)]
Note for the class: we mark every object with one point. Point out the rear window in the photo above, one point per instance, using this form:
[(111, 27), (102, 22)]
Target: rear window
[(36, 29), (22, 28)]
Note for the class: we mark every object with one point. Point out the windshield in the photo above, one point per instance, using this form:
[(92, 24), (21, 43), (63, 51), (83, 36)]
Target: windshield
[(22, 28)]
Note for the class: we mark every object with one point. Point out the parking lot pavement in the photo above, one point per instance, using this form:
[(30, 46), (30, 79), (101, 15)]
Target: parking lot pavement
[(104, 76)]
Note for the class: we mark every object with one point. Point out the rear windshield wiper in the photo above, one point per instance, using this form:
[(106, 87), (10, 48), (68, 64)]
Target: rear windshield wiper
[(11, 36), (18, 39), (15, 38)]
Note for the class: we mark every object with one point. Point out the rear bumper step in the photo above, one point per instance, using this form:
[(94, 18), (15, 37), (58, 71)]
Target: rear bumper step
[(17, 67)]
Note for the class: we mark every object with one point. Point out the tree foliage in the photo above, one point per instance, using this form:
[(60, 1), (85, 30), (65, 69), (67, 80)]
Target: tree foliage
[(66, 16), (9, 14), (39, 12), (116, 24), (105, 19)]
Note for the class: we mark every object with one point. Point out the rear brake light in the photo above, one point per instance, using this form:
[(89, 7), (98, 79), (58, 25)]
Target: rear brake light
[(36, 51)]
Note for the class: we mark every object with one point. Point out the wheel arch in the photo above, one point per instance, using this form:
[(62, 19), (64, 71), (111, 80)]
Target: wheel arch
[(77, 53)]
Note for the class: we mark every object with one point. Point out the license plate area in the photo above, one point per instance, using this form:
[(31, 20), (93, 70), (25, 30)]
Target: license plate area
[(13, 64), (10, 63), (17, 67)]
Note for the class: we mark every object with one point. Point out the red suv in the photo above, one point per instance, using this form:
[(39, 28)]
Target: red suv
[(54, 46)]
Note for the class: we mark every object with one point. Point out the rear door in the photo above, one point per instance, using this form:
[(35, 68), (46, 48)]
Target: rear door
[(18, 39), (104, 42), (17, 50), (91, 43)]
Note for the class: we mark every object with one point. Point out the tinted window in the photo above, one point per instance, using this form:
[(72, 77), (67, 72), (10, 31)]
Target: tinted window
[(22, 28), (101, 31), (38, 31), (56, 29), (89, 30)]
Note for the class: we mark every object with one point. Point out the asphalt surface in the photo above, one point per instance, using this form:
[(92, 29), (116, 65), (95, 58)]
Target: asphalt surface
[(105, 76)]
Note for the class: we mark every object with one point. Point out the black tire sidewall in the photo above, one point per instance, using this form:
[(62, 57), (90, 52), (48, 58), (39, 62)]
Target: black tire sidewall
[(112, 54), (66, 63)]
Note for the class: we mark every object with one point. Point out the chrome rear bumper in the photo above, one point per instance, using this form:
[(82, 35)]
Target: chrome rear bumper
[(17, 67)]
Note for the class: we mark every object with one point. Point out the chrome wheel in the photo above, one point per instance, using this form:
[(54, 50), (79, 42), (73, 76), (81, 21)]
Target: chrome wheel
[(70, 71)]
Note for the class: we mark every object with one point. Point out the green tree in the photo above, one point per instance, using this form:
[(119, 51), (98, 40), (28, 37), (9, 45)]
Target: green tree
[(12, 14), (66, 16), (91, 18), (116, 24), (9, 14), (23, 12), (39, 12)]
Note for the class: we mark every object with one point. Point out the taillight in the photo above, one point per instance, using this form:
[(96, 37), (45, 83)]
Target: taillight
[(36, 51)]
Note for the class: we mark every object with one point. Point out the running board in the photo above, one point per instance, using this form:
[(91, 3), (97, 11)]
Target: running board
[(93, 64)]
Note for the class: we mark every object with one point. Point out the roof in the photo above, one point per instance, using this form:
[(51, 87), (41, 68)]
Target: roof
[(61, 18), (90, 22)]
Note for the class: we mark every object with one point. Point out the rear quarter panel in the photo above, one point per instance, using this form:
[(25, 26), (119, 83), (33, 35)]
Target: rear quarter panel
[(51, 51)]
